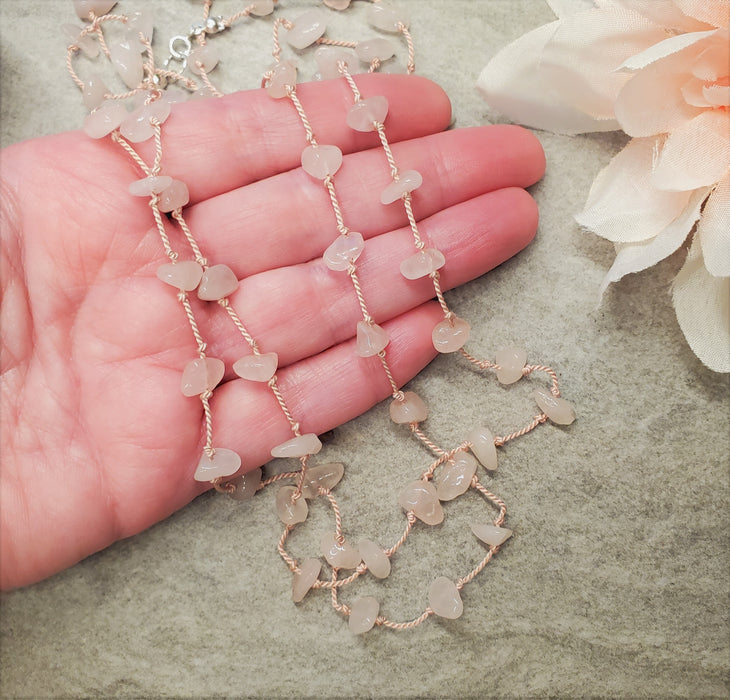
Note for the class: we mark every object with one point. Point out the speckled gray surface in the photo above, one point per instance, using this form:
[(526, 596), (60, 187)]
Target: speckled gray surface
[(616, 582)]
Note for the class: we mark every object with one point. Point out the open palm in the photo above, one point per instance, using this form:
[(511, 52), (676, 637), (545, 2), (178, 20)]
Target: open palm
[(98, 441)]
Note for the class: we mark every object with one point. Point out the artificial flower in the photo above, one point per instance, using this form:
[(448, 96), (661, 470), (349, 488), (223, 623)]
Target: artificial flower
[(660, 71)]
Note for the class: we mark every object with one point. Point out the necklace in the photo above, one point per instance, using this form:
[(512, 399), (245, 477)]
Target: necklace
[(452, 472)]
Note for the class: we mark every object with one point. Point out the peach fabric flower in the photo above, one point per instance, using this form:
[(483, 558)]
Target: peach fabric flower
[(660, 71)]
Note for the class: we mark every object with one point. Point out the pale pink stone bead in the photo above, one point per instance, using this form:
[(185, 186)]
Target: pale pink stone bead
[(337, 4), (176, 196), (412, 409), (308, 27), (98, 7), (105, 119), (148, 186), (257, 368), (386, 16), (556, 409), (364, 114), (88, 46), (444, 599), (321, 161), (322, 476), (303, 581), (206, 56), (375, 558), (420, 497), (201, 374), (185, 275), (290, 511), (218, 282), (344, 250), (307, 444), (490, 533), (455, 479), (450, 335), (422, 264), (370, 49), (94, 91), (137, 127), (283, 76), (511, 362), (328, 58), (371, 339), (246, 485), (261, 8), (483, 447), (408, 181), (223, 463), (363, 613), (339, 555), (128, 62), (140, 22)]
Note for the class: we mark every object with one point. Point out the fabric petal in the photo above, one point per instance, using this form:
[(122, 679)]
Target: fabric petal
[(664, 13), (623, 205), (714, 12), (713, 230), (695, 154), (714, 62), (702, 304), (663, 49), (692, 93), (718, 95), (563, 8)]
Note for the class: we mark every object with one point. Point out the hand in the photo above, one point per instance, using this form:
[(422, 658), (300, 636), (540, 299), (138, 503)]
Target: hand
[(98, 441)]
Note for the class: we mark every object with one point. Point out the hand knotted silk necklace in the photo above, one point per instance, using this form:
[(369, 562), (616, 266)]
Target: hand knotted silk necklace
[(452, 472)]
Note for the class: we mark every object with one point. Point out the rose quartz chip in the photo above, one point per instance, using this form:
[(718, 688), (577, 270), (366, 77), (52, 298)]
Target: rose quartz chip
[(307, 444), (128, 63), (322, 476), (450, 335), (176, 196), (387, 16), (328, 59), (94, 91), (423, 263), (371, 339), (140, 22), (137, 127), (491, 534), (444, 599), (303, 581), (261, 8), (363, 613), (420, 497), (222, 463), (104, 119), (483, 447), (283, 76), (365, 114), (339, 555), (290, 511), (88, 46), (556, 409), (218, 282), (408, 181), (245, 485), (201, 374), (375, 558), (257, 368), (321, 161), (183, 275), (344, 250), (203, 58), (98, 7), (308, 27), (370, 49), (455, 478), (148, 186), (412, 409), (511, 362), (337, 4)]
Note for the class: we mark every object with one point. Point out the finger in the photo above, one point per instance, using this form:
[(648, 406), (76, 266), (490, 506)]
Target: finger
[(288, 219), (219, 144), (301, 310)]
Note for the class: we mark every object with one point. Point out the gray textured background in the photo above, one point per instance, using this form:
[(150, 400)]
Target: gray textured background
[(616, 582)]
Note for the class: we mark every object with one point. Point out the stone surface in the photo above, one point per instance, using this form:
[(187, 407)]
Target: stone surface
[(556, 409), (365, 113), (93, 93), (511, 362), (148, 186), (321, 161), (290, 511), (257, 368), (308, 27), (337, 4), (420, 497), (303, 581), (307, 444), (339, 555), (379, 48), (363, 613), (450, 335), (201, 374), (137, 126), (345, 249), (455, 479), (128, 63), (246, 485), (223, 463), (98, 7), (218, 282), (322, 476), (412, 409), (386, 16), (202, 58), (491, 533), (375, 558), (328, 58), (422, 263), (283, 76), (185, 274), (444, 598), (176, 196), (483, 446), (407, 181), (103, 120), (371, 339)]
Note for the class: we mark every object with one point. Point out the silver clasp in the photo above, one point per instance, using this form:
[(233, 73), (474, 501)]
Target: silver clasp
[(180, 47)]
